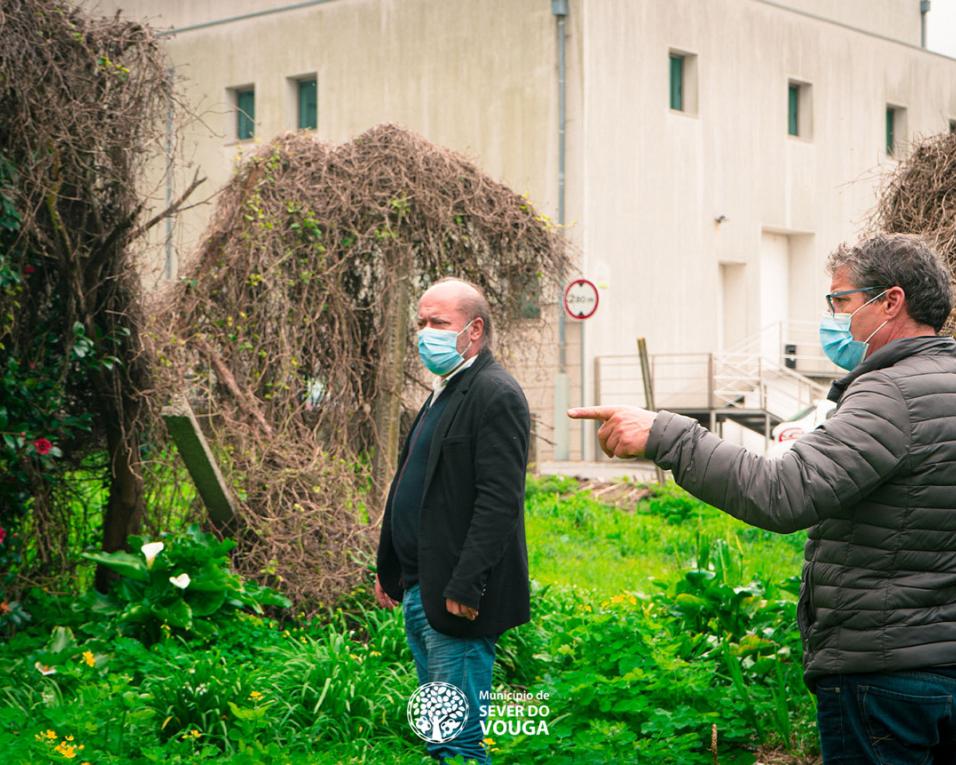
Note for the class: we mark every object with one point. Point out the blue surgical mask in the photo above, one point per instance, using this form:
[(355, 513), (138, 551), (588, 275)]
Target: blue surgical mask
[(438, 349), (837, 339)]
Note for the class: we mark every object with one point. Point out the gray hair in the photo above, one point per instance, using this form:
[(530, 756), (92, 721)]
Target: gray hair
[(475, 306), (900, 260)]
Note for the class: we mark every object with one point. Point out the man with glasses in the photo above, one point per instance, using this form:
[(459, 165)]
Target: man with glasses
[(876, 487)]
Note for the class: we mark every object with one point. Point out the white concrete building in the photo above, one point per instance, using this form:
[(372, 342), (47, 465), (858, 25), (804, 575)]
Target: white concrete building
[(714, 153)]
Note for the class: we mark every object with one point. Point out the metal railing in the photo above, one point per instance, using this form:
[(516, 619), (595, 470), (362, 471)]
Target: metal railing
[(791, 344), (756, 374)]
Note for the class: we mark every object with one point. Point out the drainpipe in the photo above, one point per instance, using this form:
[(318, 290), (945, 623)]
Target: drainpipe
[(169, 270), (559, 9), (924, 6)]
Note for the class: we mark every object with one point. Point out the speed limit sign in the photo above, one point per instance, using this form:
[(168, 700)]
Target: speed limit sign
[(581, 299)]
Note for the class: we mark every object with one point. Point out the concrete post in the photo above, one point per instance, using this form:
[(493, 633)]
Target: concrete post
[(201, 464)]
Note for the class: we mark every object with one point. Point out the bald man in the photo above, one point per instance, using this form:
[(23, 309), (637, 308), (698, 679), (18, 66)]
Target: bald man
[(452, 548)]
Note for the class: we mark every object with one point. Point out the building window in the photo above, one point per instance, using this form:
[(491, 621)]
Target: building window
[(799, 109), (793, 109), (245, 100), (677, 82), (308, 103), (890, 129), (895, 129), (683, 81)]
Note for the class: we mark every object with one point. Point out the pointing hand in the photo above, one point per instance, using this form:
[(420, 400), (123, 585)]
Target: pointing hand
[(624, 430)]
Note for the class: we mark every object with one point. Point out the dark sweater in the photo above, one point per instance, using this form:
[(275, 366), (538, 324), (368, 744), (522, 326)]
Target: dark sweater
[(409, 488), (471, 536)]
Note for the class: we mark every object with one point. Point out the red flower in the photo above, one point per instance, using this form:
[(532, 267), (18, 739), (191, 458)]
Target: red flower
[(3, 534), (42, 446), (28, 269)]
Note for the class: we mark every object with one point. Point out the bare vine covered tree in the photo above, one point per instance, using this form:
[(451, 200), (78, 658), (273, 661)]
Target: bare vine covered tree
[(83, 107), (919, 197), (288, 331)]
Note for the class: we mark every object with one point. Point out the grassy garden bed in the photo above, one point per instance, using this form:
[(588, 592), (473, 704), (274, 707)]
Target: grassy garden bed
[(652, 628)]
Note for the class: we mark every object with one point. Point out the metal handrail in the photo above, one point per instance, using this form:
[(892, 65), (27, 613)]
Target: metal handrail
[(726, 379)]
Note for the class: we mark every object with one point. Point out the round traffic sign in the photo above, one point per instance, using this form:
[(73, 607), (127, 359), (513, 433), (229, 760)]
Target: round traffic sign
[(581, 299)]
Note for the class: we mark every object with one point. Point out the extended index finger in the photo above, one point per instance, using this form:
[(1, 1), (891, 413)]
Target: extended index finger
[(592, 412)]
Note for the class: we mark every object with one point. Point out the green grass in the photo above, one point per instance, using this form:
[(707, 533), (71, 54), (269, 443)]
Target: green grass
[(574, 539), (649, 625)]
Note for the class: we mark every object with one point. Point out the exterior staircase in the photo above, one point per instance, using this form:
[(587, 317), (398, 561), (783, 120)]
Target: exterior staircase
[(775, 375)]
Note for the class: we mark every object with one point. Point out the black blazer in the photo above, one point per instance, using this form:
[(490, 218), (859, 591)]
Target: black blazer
[(471, 540)]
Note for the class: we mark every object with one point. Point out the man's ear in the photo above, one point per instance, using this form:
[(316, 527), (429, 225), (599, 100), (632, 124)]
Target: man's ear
[(477, 330), (895, 302)]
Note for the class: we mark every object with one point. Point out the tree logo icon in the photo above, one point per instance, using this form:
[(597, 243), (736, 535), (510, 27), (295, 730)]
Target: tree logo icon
[(437, 712)]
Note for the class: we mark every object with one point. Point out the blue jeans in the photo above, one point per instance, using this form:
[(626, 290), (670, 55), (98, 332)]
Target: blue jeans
[(463, 662), (897, 718)]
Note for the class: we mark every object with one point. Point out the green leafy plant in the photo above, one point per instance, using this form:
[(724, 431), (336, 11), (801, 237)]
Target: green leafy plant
[(12, 613), (179, 583), (675, 505), (331, 686), (630, 677)]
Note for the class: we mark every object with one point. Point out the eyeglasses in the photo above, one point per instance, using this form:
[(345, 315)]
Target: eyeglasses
[(843, 293)]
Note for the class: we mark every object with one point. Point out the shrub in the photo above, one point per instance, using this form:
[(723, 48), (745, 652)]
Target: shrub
[(181, 583)]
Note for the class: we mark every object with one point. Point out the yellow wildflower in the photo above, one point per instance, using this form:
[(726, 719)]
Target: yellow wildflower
[(51, 734), (66, 750), (89, 659), (68, 738), (255, 695), (195, 733), (488, 741)]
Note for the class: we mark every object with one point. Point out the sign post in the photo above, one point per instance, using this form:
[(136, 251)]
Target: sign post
[(581, 302), (581, 299)]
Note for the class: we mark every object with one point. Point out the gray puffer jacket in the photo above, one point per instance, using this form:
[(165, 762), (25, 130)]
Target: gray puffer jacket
[(876, 486)]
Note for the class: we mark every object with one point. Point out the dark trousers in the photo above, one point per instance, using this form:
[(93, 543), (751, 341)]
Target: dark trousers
[(897, 718)]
